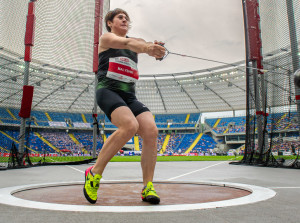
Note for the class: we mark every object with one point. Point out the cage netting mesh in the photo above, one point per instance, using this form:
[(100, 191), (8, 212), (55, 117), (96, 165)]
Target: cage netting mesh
[(273, 138), (62, 58)]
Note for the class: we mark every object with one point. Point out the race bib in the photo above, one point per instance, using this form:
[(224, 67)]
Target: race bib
[(122, 69)]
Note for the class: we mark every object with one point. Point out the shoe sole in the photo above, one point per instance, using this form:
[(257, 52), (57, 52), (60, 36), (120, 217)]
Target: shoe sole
[(152, 199), (85, 193)]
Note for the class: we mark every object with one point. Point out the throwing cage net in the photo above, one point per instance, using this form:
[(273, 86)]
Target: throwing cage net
[(272, 123), (61, 43)]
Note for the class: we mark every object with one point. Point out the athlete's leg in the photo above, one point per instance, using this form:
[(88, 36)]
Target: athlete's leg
[(123, 118), (149, 132)]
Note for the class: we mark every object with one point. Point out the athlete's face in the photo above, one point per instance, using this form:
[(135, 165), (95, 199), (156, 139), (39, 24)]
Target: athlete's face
[(120, 23)]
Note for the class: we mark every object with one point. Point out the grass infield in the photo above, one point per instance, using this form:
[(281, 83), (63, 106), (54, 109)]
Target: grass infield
[(129, 158), (176, 158), (138, 158)]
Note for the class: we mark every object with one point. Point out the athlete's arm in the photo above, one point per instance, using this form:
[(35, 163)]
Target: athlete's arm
[(140, 39), (155, 42), (110, 40)]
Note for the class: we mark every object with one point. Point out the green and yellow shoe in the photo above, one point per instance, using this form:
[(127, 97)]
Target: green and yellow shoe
[(91, 185), (149, 194)]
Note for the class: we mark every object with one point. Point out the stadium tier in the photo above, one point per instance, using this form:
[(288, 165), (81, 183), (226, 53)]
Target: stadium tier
[(275, 122), (45, 139), (36, 144), (174, 143), (77, 120), (187, 140), (74, 143), (86, 140), (205, 144)]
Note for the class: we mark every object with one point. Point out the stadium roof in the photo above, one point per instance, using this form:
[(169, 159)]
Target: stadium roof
[(61, 89)]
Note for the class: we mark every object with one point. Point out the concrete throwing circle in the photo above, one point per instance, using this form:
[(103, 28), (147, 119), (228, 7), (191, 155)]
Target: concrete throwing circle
[(124, 196)]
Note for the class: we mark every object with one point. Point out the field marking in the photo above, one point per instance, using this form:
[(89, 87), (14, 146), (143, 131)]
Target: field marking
[(102, 177), (284, 187), (55, 161), (182, 175), (75, 169)]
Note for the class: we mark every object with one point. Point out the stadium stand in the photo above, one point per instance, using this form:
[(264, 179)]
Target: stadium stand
[(86, 140), (275, 122), (186, 142), (174, 142), (177, 143), (205, 144)]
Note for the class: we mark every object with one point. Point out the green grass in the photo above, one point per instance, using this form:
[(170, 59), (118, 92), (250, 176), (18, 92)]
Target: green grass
[(175, 158), (65, 159), (138, 158), (292, 157), (130, 158)]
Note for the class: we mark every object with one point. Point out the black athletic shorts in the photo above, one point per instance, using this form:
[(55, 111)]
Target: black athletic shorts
[(109, 100)]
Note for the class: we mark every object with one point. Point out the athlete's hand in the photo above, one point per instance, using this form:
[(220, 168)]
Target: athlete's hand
[(161, 44), (156, 50)]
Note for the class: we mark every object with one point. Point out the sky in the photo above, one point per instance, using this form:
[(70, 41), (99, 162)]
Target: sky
[(211, 29)]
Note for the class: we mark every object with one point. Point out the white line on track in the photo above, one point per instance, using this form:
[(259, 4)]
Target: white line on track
[(284, 187), (75, 169), (103, 178), (182, 175)]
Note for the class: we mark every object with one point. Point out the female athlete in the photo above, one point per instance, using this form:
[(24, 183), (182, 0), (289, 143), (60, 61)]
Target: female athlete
[(117, 75)]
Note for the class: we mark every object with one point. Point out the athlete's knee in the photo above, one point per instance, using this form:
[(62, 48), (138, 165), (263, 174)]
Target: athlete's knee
[(154, 132), (151, 133), (130, 126)]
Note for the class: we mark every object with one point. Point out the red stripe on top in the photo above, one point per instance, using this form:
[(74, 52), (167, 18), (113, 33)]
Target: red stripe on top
[(297, 97), (123, 69)]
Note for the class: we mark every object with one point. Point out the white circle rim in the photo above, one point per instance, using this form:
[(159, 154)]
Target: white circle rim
[(257, 194)]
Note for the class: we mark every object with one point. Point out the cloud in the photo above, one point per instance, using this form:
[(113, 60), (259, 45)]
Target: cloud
[(127, 2), (207, 28)]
